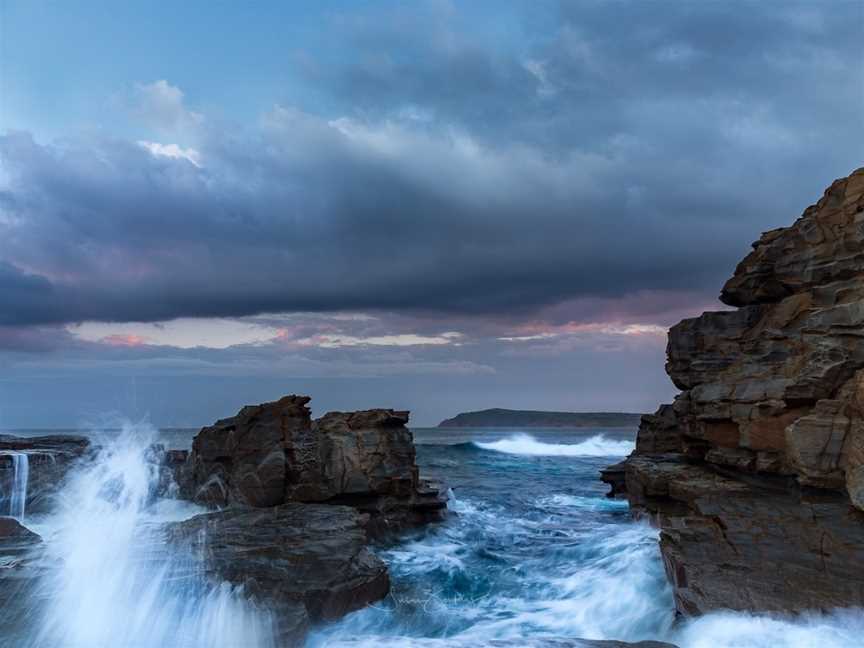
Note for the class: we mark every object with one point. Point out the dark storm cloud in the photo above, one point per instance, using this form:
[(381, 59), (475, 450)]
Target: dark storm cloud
[(616, 148)]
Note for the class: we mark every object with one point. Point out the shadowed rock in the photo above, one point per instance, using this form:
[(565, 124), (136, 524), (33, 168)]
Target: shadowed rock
[(20, 568), (755, 474), (304, 562)]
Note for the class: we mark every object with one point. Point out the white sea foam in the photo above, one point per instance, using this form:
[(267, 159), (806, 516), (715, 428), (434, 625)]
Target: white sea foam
[(525, 444), (561, 501), (840, 629)]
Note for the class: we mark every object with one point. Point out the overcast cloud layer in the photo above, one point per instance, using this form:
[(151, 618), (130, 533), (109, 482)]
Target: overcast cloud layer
[(581, 163)]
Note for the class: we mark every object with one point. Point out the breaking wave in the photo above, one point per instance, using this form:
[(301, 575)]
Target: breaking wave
[(525, 444)]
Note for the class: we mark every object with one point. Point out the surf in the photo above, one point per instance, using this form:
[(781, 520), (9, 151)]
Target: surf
[(524, 444)]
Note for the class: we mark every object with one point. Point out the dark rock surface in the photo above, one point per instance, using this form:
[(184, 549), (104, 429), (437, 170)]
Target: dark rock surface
[(49, 459), (274, 453), (304, 562), (755, 475), (20, 568)]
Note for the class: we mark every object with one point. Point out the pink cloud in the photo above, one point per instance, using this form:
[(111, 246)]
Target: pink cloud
[(120, 340)]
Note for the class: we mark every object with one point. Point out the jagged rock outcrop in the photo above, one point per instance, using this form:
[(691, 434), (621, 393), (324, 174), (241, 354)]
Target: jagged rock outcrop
[(755, 474), (48, 460), (305, 563), (274, 453), (299, 500)]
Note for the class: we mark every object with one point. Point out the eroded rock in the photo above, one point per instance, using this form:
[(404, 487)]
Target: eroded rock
[(754, 474), (303, 562), (274, 453)]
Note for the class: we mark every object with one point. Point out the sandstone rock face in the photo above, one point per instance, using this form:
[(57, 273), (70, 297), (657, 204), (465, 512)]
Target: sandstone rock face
[(274, 453), (756, 473), (303, 562), (49, 459)]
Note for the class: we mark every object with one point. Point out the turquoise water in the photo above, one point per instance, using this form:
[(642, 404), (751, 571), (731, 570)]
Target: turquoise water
[(532, 547)]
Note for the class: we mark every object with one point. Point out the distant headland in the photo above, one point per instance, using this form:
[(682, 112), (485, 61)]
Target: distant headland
[(498, 417)]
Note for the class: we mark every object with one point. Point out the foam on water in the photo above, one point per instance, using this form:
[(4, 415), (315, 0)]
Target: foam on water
[(116, 582), (839, 629), (525, 444), (531, 550), (563, 501), (489, 575)]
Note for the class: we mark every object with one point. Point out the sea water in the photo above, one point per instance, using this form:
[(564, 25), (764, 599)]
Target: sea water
[(532, 548)]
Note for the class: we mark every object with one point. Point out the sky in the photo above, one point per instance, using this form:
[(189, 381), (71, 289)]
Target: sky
[(435, 206)]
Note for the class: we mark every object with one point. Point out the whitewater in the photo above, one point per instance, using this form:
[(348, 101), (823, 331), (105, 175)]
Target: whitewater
[(532, 548)]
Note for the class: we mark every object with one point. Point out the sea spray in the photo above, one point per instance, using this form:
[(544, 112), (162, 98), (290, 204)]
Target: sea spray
[(20, 476), (117, 583)]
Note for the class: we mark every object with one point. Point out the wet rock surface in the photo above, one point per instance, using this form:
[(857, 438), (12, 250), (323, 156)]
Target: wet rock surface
[(21, 558), (49, 459), (755, 474), (306, 563)]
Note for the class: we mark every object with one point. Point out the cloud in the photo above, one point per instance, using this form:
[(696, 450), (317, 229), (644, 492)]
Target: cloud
[(172, 151), (162, 106), (450, 175)]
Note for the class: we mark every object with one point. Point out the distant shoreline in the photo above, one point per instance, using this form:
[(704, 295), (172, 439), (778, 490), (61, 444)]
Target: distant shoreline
[(498, 417)]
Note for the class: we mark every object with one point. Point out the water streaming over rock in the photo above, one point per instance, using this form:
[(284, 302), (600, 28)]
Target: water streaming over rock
[(20, 475)]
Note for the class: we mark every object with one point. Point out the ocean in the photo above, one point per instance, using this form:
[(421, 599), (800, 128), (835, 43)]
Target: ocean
[(531, 548)]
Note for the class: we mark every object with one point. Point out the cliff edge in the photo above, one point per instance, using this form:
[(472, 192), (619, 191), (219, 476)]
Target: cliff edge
[(755, 474)]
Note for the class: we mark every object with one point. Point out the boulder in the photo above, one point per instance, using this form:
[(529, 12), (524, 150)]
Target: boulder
[(304, 562), (273, 453), (755, 474)]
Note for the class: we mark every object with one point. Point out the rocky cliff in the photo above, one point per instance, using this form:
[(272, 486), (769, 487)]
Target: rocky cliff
[(755, 474)]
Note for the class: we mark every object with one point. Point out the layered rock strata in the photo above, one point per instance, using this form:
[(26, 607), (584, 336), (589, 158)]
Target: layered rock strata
[(274, 453), (755, 474), (298, 502)]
